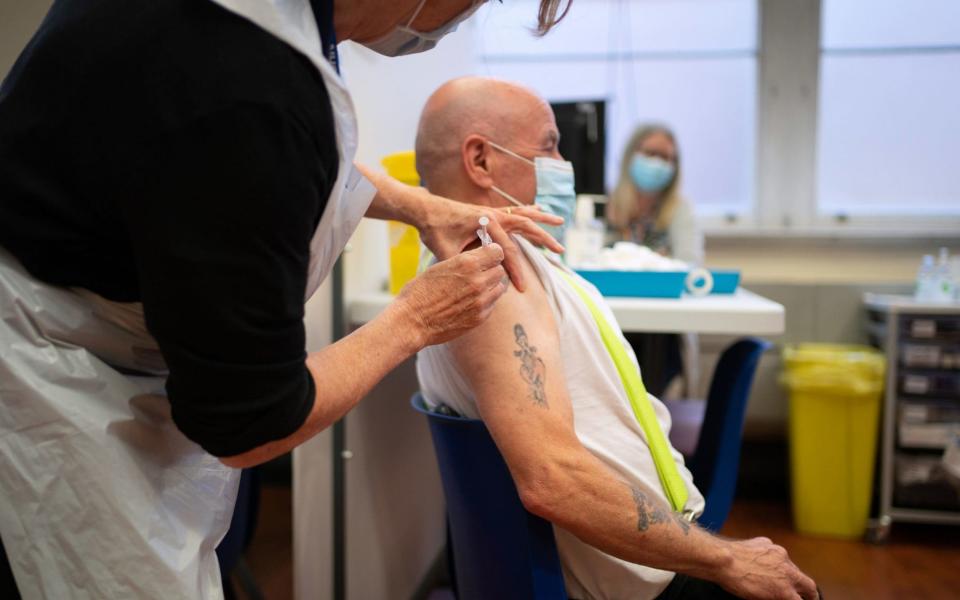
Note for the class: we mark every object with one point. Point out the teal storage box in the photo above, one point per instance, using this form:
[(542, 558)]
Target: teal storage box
[(637, 284), (655, 284), (725, 281)]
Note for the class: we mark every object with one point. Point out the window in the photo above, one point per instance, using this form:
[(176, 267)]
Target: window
[(819, 116), (688, 63), (888, 121)]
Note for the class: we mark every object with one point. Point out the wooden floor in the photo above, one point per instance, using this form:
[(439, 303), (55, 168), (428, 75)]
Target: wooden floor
[(270, 555), (918, 562)]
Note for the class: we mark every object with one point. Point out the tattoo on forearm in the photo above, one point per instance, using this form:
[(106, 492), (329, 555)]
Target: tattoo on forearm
[(649, 513), (532, 369)]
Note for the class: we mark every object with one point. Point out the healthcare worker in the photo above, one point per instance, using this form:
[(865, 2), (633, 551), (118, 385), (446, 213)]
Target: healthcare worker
[(647, 208), (176, 178)]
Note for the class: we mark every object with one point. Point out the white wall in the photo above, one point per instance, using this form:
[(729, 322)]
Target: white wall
[(835, 261)]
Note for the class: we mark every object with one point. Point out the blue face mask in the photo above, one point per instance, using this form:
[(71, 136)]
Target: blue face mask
[(555, 191), (651, 174)]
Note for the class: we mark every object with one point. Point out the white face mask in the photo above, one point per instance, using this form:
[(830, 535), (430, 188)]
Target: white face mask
[(405, 40)]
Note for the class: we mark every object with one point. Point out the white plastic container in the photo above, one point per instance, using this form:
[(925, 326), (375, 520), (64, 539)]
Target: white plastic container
[(943, 286), (584, 237)]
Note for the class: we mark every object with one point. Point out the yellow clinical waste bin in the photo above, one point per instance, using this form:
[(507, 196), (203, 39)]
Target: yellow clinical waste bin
[(404, 239), (835, 396)]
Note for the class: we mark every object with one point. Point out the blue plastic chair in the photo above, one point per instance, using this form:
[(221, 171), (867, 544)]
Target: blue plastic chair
[(500, 550), (716, 460)]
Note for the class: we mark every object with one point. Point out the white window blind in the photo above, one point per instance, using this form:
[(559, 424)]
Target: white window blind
[(889, 123)]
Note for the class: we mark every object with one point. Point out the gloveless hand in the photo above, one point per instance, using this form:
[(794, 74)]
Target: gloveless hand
[(453, 296), (761, 570), (452, 227)]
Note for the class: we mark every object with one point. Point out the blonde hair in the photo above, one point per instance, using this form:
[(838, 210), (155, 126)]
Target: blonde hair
[(622, 207)]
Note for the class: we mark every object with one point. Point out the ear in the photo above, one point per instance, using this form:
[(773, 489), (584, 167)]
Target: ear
[(475, 154)]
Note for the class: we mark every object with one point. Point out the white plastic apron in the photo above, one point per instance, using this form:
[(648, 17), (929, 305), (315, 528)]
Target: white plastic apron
[(101, 496), (292, 21)]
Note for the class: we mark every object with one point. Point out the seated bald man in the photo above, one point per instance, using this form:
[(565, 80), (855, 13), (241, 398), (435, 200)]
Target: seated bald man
[(539, 375)]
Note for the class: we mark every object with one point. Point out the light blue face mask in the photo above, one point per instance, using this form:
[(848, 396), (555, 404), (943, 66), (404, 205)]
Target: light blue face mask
[(651, 174), (555, 191), (403, 39)]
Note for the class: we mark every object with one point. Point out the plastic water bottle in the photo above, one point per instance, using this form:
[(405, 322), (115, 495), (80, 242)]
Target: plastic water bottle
[(944, 283), (955, 276), (926, 278)]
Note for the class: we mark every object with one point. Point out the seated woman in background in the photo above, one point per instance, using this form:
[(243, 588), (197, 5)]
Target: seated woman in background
[(646, 208)]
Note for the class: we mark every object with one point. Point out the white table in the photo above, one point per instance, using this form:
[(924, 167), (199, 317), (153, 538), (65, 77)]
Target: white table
[(742, 313)]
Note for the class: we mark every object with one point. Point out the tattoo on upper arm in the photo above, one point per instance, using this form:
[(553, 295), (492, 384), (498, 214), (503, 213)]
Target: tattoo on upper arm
[(532, 368), (648, 513)]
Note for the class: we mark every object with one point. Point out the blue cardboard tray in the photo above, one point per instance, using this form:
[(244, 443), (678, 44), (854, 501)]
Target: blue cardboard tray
[(655, 284), (638, 284), (725, 281)]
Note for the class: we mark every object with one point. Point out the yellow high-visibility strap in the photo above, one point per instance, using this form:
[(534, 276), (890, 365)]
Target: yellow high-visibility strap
[(673, 485)]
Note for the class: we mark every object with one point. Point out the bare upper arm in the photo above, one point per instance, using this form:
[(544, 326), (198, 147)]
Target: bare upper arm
[(514, 366)]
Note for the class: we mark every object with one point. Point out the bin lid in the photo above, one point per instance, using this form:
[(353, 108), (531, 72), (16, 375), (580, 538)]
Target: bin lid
[(840, 369), (846, 356)]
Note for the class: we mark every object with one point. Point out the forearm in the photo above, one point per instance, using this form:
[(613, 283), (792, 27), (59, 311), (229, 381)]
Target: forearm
[(343, 373), (591, 502), (395, 202)]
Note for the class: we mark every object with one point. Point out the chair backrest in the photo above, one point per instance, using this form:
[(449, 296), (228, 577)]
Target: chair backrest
[(500, 550), (717, 458)]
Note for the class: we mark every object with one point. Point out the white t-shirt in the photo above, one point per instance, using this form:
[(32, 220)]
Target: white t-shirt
[(603, 420)]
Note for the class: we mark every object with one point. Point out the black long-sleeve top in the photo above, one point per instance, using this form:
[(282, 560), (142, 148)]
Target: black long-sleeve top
[(173, 153)]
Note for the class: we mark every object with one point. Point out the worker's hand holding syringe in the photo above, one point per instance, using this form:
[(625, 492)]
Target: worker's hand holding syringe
[(452, 229), (439, 297), (448, 227), (458, 292)]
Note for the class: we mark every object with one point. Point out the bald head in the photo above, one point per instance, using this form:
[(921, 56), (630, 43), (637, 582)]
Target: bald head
[(462, 109)]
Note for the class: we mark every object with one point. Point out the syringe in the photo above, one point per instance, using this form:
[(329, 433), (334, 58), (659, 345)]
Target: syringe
[(485, 238)]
